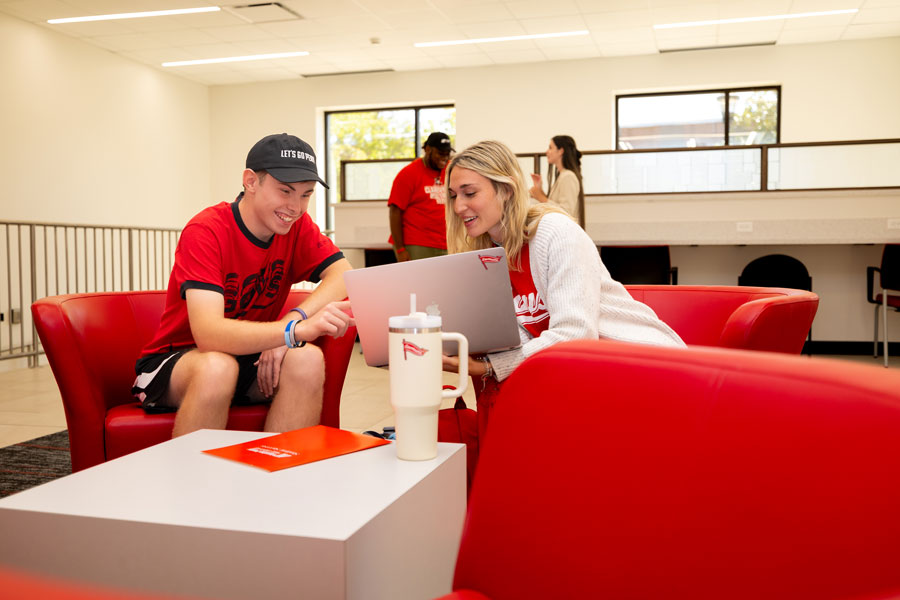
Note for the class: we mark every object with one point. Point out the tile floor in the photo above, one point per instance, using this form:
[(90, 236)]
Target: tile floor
[(30, 405)]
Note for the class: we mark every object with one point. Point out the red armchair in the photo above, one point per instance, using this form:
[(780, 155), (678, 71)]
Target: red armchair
[(751, 318), (92, 341), (698, 473)]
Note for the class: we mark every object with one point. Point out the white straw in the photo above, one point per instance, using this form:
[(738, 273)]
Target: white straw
[(412, 303)]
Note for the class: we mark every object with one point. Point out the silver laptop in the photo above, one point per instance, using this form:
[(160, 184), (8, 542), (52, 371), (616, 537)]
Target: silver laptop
[(470, 291)]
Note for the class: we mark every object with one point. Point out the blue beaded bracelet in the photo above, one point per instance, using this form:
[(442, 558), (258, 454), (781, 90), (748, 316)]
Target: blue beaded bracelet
[(300, 310)]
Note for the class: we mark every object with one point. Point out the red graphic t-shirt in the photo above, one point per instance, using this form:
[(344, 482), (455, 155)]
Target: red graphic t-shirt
[(217, 252), (531, 312), (419, 192)]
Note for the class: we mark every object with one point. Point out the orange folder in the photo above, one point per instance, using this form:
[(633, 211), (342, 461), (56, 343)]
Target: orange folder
[(297, 447)]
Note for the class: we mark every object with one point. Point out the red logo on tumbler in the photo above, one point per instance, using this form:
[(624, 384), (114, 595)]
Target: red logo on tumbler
[(488, 259), (412, 349)]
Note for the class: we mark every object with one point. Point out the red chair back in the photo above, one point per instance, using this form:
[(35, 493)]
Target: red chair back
[(750, 318), (697, 473)]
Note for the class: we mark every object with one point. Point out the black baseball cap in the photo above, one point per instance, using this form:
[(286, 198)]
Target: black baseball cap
[(439, 141), (285, 157)]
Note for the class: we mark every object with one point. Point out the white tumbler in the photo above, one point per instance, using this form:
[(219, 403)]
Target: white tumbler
[(415, 344)]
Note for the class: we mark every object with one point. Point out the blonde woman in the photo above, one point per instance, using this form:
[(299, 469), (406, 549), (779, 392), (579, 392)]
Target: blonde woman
[(561, 289)]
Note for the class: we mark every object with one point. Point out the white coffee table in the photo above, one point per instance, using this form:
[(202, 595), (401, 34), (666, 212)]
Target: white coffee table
[(172, 519)]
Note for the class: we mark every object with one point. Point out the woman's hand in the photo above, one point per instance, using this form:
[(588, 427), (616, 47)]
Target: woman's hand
[(537, 190), (451, 365)]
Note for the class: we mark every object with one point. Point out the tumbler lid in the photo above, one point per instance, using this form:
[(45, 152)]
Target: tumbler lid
[(416, 320)]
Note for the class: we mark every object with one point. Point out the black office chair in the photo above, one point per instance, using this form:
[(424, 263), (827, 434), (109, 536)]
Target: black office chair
[(777, 270), (889, 273), (639, 264)]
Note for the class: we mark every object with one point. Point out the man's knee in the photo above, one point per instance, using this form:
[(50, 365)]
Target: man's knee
[(213, 373), (305, 366)]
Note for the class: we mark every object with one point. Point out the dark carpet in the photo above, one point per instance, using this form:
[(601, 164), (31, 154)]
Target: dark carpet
[(34, 462)]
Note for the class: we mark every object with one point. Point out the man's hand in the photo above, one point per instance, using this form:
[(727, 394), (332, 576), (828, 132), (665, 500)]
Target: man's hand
[(268, 370), (402, 254), (333, 319)]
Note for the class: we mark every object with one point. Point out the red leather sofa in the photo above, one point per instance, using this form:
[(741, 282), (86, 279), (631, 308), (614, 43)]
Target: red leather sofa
[(752, 318), (695, 474), (92, 341)]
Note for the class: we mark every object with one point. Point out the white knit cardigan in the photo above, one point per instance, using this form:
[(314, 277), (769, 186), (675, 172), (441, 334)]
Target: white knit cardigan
[(584, 302)]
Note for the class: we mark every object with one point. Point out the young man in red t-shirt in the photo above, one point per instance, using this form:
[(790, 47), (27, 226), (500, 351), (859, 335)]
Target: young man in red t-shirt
[(418, 223), (220, 339)]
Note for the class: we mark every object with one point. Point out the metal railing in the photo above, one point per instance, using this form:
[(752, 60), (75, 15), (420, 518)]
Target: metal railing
[(47, 259)]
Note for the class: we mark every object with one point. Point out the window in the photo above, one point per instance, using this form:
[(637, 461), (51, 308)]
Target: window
[(736, 117), (379, 134)]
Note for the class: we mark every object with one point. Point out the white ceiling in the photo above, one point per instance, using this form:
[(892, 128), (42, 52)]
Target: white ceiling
[(368, 35)]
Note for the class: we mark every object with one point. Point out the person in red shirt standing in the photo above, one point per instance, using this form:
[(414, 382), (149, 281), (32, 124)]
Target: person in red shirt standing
[(220, 340), (418, 222)]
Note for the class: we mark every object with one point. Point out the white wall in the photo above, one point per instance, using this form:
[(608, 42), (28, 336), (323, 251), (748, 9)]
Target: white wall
[(832, 91), (89, 137)]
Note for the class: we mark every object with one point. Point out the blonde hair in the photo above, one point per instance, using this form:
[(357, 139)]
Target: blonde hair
[(519, 219)]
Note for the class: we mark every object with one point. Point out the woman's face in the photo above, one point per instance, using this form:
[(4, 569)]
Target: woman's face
[(476, 202), (554, 155)]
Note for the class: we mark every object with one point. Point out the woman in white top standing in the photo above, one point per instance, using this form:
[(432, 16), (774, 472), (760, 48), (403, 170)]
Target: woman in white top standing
[(564, 175), (560, 287)]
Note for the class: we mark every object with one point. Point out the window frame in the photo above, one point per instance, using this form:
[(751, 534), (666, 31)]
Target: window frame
[(727, 112), (330, 196)]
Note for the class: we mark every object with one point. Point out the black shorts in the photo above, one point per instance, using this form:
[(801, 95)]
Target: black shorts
[(154, 371)]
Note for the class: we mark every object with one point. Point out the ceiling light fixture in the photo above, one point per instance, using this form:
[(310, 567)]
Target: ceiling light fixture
[(227, 59), (533, 36), (751, 19), (136, 15)]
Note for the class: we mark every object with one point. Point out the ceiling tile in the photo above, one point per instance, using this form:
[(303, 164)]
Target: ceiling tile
[(424, 19), (592, 6), (571, 52), (413, 64), (39, 11), (626, 48), (814, 22), (317, 9), (496, 29), (554, 24), (532, 9), (687, 13), (238, 33), (621, 36), (734, 9), (802, 6), (476, 13), (871, 30), (185, 37), (129, 41), (688, 43), (811, 36), (626, 19), (877, 15)]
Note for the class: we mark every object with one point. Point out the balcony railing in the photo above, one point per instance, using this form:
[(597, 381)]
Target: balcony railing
[(46, 259), (857, 164)]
